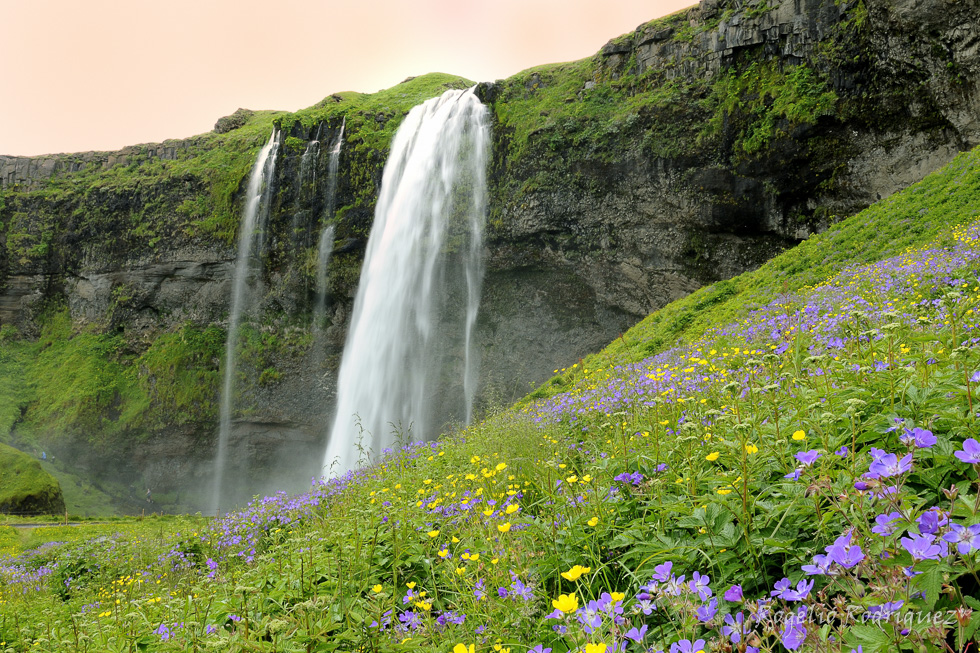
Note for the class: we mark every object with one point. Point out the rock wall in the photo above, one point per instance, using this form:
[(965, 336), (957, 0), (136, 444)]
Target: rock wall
[(688, 151)]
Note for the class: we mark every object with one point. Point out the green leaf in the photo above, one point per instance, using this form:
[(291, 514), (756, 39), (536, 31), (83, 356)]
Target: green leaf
[(931, 582)]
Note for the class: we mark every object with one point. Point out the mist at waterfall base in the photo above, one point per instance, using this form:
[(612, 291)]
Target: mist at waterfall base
[(408, 367)]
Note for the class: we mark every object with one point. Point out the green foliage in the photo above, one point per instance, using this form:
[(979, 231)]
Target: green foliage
[(135, 201), (766, 101), (15, 382), (179, 374), (80, 381)]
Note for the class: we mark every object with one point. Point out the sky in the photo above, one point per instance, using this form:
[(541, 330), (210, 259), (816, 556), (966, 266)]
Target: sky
[(84, 75)]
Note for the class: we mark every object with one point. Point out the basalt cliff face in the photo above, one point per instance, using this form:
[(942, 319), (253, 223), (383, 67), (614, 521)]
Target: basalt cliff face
[(688, 151)]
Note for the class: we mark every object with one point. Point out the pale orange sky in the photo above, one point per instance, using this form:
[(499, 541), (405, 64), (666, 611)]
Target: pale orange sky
[(101, 74)]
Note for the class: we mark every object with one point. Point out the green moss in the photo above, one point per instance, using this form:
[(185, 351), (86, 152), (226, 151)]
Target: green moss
[(133, 204), (24, 486), (765, 102), (82, 386), (179, 374), (16, 381)]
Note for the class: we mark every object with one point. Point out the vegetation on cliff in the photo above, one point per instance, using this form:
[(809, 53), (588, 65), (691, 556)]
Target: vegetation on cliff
[(794, 470)]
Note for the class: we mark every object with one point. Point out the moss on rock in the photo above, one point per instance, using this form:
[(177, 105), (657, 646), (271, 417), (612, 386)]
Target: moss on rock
[(25, 488)]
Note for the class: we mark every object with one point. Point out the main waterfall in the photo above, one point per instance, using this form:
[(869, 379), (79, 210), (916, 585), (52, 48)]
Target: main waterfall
[(419, 288), (250, 240)]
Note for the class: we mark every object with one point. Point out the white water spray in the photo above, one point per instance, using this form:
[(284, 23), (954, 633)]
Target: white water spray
[(249, 249), (428, 224)]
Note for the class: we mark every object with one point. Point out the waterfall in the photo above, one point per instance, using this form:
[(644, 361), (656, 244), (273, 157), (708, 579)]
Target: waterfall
[(329, 204), (323, 260), (396, 377), (304, 198), (250, 239), (327, 235)]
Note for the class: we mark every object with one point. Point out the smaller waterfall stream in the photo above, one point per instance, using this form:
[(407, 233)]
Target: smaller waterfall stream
[(398, 372), (250, 239), (325, 247)]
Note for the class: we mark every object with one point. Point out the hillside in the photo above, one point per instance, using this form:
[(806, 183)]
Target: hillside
[(794, 473), (686, 152)]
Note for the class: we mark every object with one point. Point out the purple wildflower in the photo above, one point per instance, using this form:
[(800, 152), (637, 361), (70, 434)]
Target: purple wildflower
[(966, 538), (918, 437), (807, 458), (786, 592), (662, 572), (885, 465), (699, 585), (687, 646), (634, 634), (922, 547), (734, 593), (844, 553), (794, 632), (707, 611), (822, 566), (970, 452), (931, 521), (884, 523), (884, 611), (735, 627)]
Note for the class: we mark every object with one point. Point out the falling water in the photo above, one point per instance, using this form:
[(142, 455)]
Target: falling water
[(323, 261), (304, 198), (249, 249), (331, 199), (428, 224), (327, 235)]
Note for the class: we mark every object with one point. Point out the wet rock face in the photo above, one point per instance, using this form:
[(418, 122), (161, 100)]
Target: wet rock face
[(585, 237)]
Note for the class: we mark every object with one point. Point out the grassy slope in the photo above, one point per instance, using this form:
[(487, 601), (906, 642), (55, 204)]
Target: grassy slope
[(516, 502)]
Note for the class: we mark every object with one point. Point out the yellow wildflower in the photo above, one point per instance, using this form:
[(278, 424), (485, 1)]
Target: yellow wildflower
[(712, 456), (575, 572), (566, 603)]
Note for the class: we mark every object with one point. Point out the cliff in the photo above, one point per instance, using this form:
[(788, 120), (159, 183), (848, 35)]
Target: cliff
[(688, 151)]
